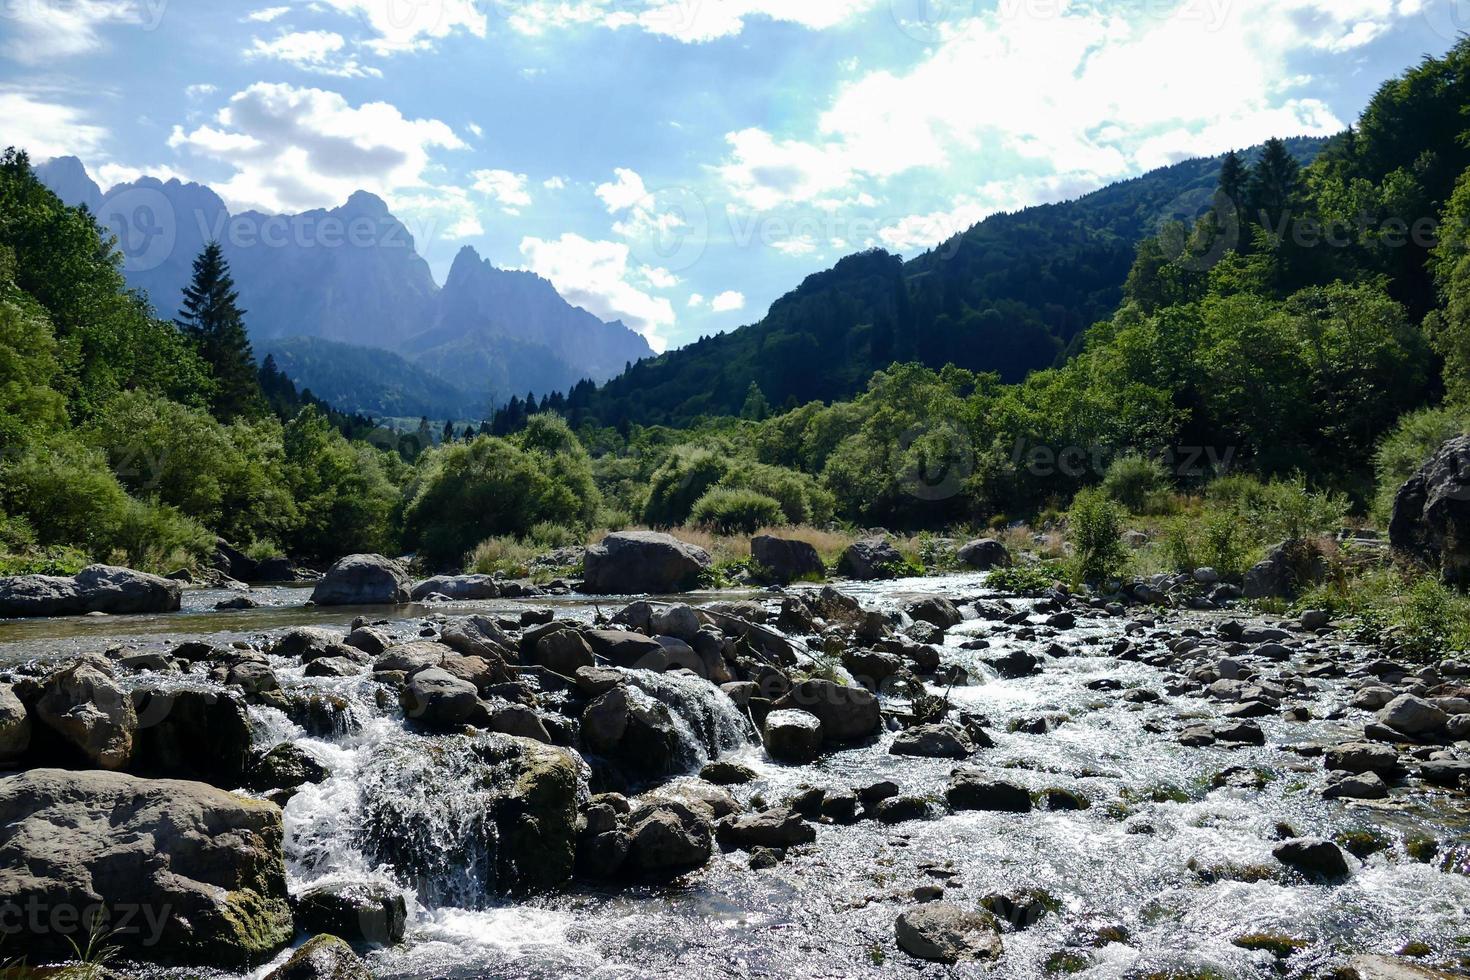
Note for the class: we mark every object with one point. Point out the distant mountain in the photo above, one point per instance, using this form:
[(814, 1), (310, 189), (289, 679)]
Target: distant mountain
[(352, 277), (1010, 295), (371, 382)]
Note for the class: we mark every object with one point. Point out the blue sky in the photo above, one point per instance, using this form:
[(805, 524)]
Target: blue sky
[(679, 164)]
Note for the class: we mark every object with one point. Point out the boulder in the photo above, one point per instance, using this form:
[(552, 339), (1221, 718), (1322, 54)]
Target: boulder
[(785, 560), (632, 729), (197, 873), (483, 672), (847, 713), (933, 742), (667, 837), (191, 733), (366, 913), (1431, 512), (305, 643), (869, 559), (792, 736), (632, 562), (1285, 571), (779, 827), (82, 715), (1361, 757), (1413, 716), (363, 580), (970, 789), (678, 621), (279, 569), (369, 639), (322, 958), (462, 588), (562, 651), (479, 636), (935, 610), (1317, 859), (95, 589), (945, 933), (435, 699), (633, 651), (284, 767), (985, 554), (15, 727)]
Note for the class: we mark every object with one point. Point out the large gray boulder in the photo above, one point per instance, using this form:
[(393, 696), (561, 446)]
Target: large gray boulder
[(792, 736), (478, 636), (1285, 572), (668, 837), (15, 727), (436, 700), (191, 733), (96, 588), (180, 872), (1431, 512), (784, 560), (363, 580), (460, 587), (82, 716), (984, 554), (632, 562), (945, 933), (1413, 716), (869, 559), (846, 713)]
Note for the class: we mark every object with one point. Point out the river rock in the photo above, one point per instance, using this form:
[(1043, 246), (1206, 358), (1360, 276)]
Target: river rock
[(632, 729), (971, 789), (631, 562), (778, 827), (322, 958), (785, 560), (869, 559), (1313, 857), (1388, 968), (212, 860), (945, 933), (935, 610), (1412, 716), (435, 699), (1360, 757), (363, 580), (89, 718), (933, 742), (678, 621), (792, 736), (633, 651), (95, 589), (484, 673), (367, 913), (1356, 786), (985, 554), (15, 727), (847, 713), (1431, 512), (286, 766), (191, 733), (461, 588), (479, 636), (667, 837), (1284, 571)]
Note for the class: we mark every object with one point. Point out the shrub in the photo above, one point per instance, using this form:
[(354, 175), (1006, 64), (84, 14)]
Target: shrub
[(504, 553), (1136, 482), (1225, 549), (1413, 440), (1179, 546), (803, 500), (345, 493), (677, 485), (1095, 527), (730, 511), (157, 538)]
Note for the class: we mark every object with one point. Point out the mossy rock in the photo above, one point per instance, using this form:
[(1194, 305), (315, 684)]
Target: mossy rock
[(1277, 944), (1065, 962), (1363, 844)]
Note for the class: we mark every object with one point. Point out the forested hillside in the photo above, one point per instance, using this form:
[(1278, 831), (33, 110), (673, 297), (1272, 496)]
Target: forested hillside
[(1008, 296)]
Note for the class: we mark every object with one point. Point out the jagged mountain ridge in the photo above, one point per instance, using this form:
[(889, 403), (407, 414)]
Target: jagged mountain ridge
[(352, 276)]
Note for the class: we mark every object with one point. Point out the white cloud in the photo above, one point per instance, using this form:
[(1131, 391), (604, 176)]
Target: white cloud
[(293, 149), (728, 302), (554, 183), (627, 191), (690, 21), (1069, 88), (201, 90), (109, 175), (44, 30), (658, 278), (475, 130), (696, 300), (598, 276), (267, 14), (505, 188), (411, 25), (47, 129), (318, 52)]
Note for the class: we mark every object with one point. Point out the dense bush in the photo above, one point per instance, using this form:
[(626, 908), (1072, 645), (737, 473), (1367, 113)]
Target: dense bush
[(345, 494), (1095, 528), (676, 486), (1416, 437), (1135, 482), (731, 511)]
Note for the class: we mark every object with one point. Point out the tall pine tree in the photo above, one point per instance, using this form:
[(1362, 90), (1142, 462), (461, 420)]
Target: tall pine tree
[(212, 319)]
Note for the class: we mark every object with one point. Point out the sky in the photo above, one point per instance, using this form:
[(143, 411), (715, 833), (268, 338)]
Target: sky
[(680, 164)]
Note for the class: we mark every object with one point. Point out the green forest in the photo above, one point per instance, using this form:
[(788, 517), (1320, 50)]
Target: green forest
[(1311, 330)]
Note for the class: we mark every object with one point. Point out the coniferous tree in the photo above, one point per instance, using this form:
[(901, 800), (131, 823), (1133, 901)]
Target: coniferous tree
[(1234, 176), (212, 319), (1274, 184)]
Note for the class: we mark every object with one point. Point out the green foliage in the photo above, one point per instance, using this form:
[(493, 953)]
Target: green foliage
[(1417, 615), (1279, 510), (1026, 579), (345, 494), (731, 511), (215, 325), (464, 493), (1404, 450), (686, 476), (1136, 482), (1095, 529)]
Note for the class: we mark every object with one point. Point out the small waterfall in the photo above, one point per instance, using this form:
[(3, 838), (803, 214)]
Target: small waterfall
[(706, 720)]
